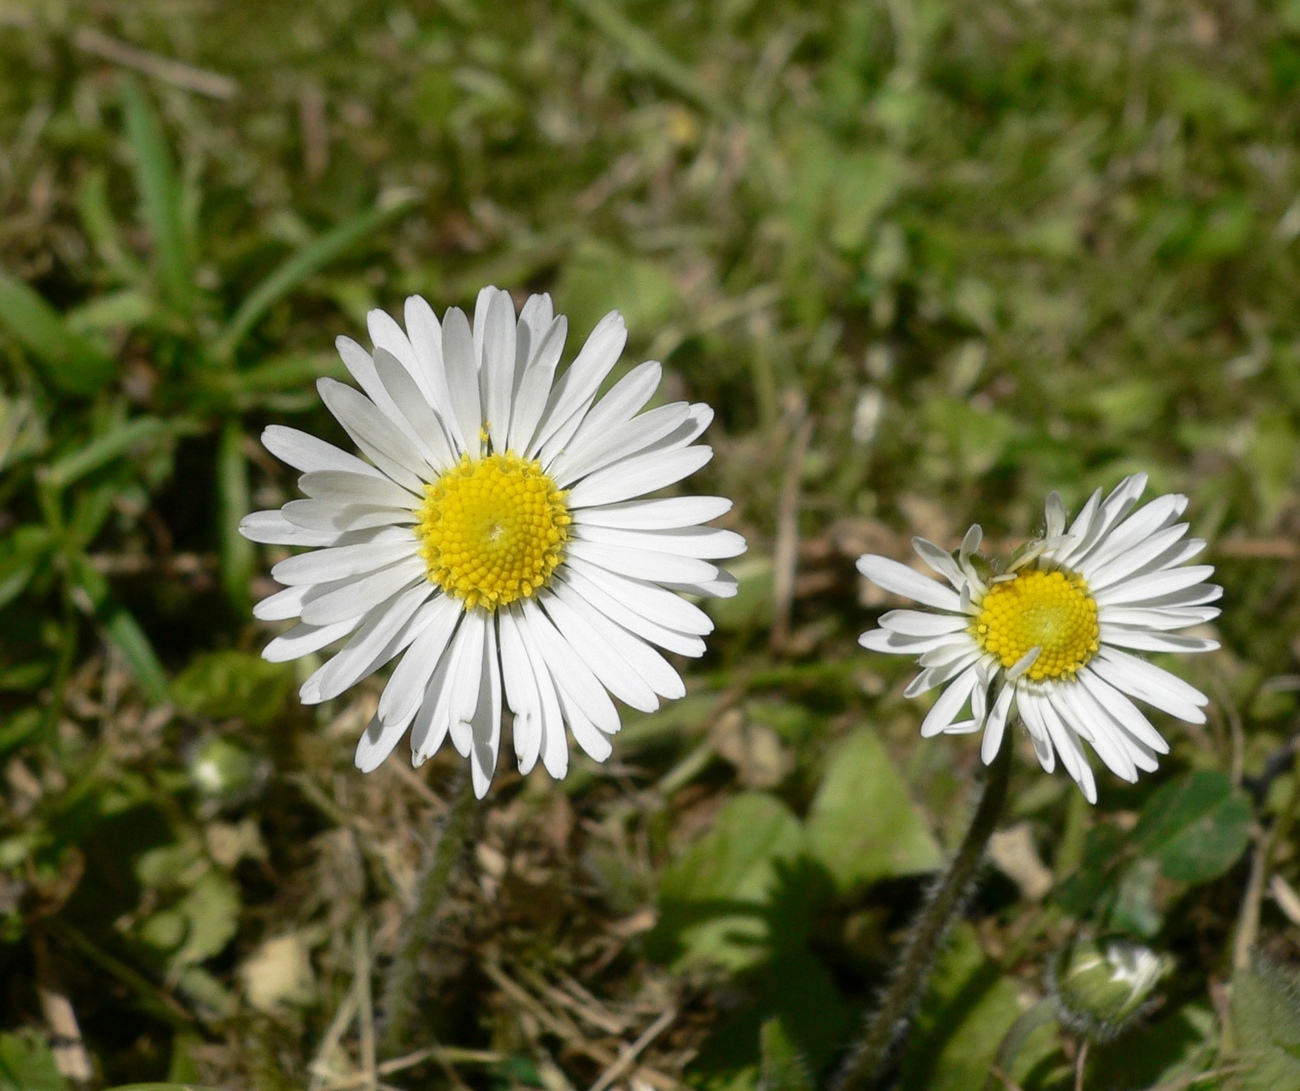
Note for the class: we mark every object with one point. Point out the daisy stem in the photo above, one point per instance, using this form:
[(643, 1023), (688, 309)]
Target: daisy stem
[(400, 986), (887, 1027)]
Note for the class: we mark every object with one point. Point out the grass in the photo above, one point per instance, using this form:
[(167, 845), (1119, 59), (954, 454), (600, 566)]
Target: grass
[(927, 260)]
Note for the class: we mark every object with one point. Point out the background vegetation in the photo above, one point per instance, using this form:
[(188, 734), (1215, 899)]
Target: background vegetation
[(928, 259)]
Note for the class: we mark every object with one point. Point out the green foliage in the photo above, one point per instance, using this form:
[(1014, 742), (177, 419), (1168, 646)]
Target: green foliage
[(781, 1068), (27, 1064), (1196, 826), (222, 685), (862, 825), (1266, 1020)]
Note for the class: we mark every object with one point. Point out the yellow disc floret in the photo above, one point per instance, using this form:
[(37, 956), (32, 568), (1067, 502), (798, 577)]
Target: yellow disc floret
[(1052, 611), (493, 529)]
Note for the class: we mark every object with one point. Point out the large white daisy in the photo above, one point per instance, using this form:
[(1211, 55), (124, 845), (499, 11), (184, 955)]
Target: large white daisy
[(1047, 638), (492, 533)]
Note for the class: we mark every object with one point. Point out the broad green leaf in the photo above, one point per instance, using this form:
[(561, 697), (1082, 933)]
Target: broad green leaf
[(68, 360), (863, 825), (1197, 826), (1266, 1019), (969, 1009), (224, 684), (310, 259), (27, 1064), (728, 898), (211, 910), (101, 228), (160, 198)]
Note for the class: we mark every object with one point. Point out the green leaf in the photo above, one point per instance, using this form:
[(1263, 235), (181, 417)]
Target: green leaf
[(1266, 1018), (69, 361), (298, 268), (599, 278), (1155, 1056), (782, 1067), (863, 825), (233, 503), (123, 632), (120, 439), (27, 1064), (21, 552), (968, 1011), (722, 900), (160, 198), (211, 910), (1197, 826), (224, 684)]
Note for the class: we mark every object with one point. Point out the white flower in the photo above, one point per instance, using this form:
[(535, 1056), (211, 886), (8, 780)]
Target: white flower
[(494, 536), (1046, 638)]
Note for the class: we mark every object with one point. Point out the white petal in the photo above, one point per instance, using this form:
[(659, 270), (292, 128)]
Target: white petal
[(885, 640), (1090, 721), (570, 672), (668, 512), (642, 563), (342, 562), (950, 703), (1160, 619), (466, 676), (609, 667), (941, 561), (705, 543), (1133, 531), (1124, 710), (485, 727), (1146, 641), (917, 623), (306, 452), (535, 389), (521, 691), (428, 429), (1148, 587), (377, 434), (357, 596), (1071, 750), (629, 604), (606, 425), (426, 338), (1133, 558), (338, 487), (996, 725), (282, 605), (462, 377), (402, 695), (648, 663), (1149, 683), (384, 633), (902, 580), (624, 481), (377, 742), (339, 518), (362, 368), (577, 386), (304, 639), (273, 528), (1054, 514)]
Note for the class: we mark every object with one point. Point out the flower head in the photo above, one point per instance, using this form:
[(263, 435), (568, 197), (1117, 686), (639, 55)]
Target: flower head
[(1047, 638), (493, 533)]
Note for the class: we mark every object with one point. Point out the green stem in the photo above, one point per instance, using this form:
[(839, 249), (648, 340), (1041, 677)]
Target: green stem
[(887, 1027), (1040, 1015), (400, 986)]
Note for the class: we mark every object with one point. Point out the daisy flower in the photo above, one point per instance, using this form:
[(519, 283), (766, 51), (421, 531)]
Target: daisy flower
[(493, 534), (1053, 637)]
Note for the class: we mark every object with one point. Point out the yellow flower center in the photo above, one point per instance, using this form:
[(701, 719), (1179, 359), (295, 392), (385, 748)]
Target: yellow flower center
[(494, 529), (1048, 610)]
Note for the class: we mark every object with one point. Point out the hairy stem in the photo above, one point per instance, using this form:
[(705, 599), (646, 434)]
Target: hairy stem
[(888, 1025), (401, 985)]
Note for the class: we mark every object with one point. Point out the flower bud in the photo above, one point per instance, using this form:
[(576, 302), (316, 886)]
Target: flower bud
[(1101, 985)]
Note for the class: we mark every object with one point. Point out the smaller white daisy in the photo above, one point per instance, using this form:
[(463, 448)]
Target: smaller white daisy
[(496, 536), (1046, 638)]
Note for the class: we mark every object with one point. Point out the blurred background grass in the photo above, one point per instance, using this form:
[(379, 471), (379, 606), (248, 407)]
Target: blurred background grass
[(929, 260)]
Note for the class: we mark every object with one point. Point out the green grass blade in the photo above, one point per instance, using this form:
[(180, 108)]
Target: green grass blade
[(124, 633), (103, 449), (160, 198), (233, 502), (298, 268), (70, 362)]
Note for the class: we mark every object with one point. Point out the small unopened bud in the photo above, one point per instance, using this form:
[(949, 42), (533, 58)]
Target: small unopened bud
[(1102, 985), (225, 773)]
